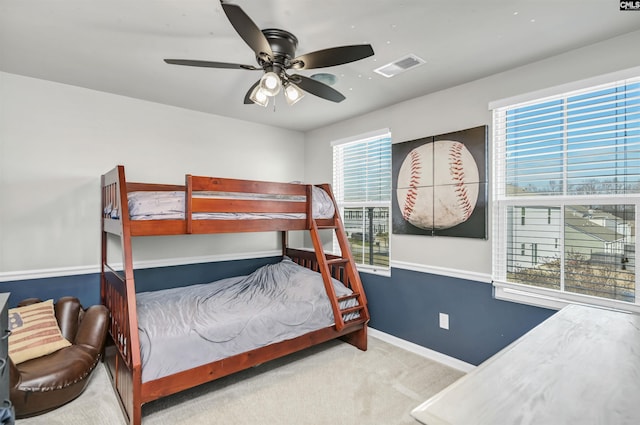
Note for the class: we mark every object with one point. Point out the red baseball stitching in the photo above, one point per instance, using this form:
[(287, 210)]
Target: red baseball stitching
[(414, 180), (457, 173)]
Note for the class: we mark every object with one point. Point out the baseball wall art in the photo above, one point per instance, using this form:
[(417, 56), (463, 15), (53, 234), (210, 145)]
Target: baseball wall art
[(440, 185)]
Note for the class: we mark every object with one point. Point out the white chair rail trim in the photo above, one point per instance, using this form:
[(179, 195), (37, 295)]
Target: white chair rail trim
[(147, 264), (443, 271)]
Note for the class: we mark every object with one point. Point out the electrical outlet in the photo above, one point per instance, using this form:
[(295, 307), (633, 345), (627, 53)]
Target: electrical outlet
[(444, 321)]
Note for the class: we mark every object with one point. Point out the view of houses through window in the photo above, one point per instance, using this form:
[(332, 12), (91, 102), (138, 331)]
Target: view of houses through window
[(368, 232), (567, 191), (362, 187), (599, 253)]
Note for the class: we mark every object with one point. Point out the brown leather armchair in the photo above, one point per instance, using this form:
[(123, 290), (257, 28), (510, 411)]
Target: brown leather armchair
[(45, 383)]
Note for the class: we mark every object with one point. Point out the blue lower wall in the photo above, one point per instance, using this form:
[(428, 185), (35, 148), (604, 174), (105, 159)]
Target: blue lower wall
[(86, 287), (405, 305), (191, 274)]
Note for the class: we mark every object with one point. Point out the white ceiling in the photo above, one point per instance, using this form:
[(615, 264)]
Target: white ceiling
[(118, 46)]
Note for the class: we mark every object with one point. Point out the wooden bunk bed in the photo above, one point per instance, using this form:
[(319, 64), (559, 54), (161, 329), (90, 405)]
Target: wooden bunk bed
[(293, 207)]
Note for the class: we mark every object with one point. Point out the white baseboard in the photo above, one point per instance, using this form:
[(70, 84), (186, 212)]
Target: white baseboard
[(422, 351)]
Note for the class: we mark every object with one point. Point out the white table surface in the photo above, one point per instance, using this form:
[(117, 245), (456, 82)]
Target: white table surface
[(580, 366)]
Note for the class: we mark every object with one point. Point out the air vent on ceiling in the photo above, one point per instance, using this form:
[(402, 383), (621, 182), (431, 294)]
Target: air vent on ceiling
[(401, 65)]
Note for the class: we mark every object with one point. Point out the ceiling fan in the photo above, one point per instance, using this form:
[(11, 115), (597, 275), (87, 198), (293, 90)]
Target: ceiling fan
[(275, 55)]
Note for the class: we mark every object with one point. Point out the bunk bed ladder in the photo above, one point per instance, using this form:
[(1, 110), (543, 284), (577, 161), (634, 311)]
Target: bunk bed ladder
[(341, 267)]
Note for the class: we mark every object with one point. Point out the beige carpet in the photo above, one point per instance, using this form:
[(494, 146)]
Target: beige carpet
[(331, 384)]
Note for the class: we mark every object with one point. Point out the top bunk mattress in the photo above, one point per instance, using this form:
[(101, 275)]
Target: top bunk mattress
[(163, 205)]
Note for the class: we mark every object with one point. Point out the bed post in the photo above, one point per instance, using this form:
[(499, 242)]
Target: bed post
[(103, 237), (122, 356), (284, 239)]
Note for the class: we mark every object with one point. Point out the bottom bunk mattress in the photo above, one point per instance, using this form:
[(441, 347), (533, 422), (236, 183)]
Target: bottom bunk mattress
[(181, 328)]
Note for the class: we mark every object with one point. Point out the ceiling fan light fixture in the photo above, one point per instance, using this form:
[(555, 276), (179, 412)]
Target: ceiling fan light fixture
[(292, 93), (258, 97), (275, 53), (270, 83)]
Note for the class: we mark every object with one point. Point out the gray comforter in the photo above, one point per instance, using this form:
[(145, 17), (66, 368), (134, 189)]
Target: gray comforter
[(181, 328)]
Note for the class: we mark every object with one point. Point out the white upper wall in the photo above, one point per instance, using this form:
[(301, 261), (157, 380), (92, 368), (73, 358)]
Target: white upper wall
[(56, 140), (459, 108)]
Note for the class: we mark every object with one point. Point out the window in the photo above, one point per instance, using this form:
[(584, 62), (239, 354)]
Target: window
[(362, 187), (570, 163)]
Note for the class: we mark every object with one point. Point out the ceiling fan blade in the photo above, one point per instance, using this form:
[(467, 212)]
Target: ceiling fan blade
[(317, 88), (333, 56), (208, 64), (247, 99), (248, 30)]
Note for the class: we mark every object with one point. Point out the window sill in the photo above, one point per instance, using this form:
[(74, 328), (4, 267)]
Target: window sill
[(555, 300), (380, 271)]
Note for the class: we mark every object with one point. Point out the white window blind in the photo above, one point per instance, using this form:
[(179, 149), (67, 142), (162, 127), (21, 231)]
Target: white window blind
[(566, 197), (362, 187)]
